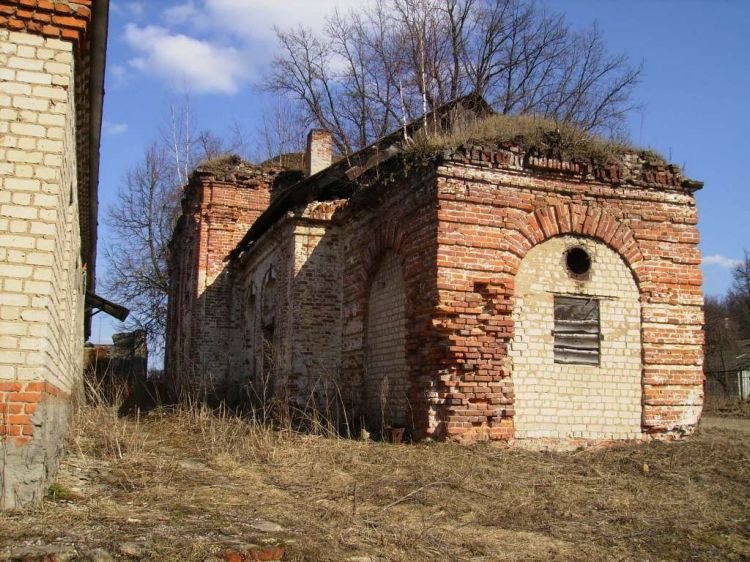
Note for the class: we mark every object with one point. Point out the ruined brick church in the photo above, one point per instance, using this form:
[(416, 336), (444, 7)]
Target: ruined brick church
[(480, 291)]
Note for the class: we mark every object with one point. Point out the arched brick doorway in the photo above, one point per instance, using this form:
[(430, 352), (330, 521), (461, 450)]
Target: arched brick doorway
[(576, 350), (386, 370)]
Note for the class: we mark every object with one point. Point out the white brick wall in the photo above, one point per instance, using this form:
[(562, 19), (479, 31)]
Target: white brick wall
[(316, 311), (556, 400), (386, 370), (41, 283)]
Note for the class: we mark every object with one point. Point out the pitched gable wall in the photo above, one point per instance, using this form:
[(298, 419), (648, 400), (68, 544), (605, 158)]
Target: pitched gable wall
[(490, 218)]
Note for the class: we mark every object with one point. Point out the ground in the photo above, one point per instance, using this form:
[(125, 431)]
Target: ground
[(193, 485)]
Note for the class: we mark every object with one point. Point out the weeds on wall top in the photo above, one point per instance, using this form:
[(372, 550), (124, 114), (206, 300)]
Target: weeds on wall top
[(536, 135)]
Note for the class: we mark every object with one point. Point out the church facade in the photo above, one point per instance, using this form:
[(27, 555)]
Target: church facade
[(483, 291)]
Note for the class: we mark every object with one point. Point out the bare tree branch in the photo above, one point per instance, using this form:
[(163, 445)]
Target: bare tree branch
[(141, 219), (369, 71), (143, 216)]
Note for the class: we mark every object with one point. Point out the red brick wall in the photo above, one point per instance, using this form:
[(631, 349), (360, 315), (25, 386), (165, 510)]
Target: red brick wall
[(217, 212), (460, 231), (399, 217), (66, 20), (323, 257), (19, 401), (489, 218)]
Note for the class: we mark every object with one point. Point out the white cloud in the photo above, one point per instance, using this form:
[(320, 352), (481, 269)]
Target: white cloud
[(118, 75), (201, 66), (114, 129), (255, 19), (721, 261), (134, 9), (181, 13), (220, 43)]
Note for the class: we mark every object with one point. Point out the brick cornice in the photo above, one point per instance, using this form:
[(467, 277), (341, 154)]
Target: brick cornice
[(635, 168), (61, 20)]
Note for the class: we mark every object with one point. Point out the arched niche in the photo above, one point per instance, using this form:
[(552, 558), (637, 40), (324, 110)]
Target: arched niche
[(386, 370), (576, 351)]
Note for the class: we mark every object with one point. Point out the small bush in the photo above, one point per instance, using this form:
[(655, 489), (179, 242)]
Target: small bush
[(58, 492)]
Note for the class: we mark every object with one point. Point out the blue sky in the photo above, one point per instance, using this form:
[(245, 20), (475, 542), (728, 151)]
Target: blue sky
[(694, 90)]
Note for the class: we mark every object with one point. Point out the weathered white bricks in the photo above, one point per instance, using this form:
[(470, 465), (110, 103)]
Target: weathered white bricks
[(387, 381), (40, 317), (569, 401)]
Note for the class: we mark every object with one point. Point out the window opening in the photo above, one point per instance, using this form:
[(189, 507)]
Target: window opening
[(577, 330), (578, 261)]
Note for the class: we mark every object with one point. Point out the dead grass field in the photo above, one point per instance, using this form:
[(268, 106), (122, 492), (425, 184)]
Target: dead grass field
[(190, 484), (727, 407)]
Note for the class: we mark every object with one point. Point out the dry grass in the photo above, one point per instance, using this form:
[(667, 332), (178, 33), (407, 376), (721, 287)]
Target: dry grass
[(727, 407), (536, 134), (192, 481)]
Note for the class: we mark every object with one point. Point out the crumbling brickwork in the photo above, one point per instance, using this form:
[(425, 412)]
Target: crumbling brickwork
[(220, 203), (317, 274), (398, 219), (288, 305), (427, 290), (262, 288), (495, 206)]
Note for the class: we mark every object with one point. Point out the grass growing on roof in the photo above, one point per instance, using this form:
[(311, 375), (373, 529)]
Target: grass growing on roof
[(534, 134), (219, 164)]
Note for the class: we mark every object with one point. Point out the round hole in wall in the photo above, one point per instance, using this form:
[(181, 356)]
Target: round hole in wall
[(578, 261)]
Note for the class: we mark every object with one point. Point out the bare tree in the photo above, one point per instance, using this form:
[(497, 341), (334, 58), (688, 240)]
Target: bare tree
[(739, 296), (722, 332), (142, 219), (727, 328), (281, 131), (186, 145), (143, 216), (369, 71)]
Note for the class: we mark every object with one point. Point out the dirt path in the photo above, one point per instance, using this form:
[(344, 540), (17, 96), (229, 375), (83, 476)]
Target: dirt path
[(737, 424)]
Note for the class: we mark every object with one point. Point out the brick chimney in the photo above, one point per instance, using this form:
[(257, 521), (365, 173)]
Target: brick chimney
[(319, 152)]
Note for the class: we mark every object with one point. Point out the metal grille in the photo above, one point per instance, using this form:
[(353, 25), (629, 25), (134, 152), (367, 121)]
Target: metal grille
[(577, 333)]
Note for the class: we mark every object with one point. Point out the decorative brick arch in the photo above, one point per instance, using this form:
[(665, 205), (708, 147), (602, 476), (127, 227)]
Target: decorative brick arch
[(485, 348), (601, 399), (384, 345), (584, 220), (388, 237), (588, 221)]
